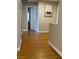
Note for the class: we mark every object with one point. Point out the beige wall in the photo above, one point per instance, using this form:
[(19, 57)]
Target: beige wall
[(55, 32), (18, 24), (24, 18), (44, 21)]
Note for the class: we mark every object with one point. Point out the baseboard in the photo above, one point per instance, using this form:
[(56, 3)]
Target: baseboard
[(21, 33), (18, 49), (42, 31), (55, 48), (24, 30)]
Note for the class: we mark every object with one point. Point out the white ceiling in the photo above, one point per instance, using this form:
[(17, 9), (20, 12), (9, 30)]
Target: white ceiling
[(51, 0), (40, 0), (32, 0)]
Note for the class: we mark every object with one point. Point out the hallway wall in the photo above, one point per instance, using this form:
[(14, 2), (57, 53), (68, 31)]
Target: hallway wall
[(24, 18), (19, 14), (55, 32), (44, 21)]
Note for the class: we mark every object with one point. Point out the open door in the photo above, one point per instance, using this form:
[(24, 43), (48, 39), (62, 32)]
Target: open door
[(32, 23)]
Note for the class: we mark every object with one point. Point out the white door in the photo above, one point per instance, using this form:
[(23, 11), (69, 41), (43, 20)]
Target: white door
[(33, 19)]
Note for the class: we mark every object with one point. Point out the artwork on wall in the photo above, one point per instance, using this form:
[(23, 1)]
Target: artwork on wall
[(48, 10)]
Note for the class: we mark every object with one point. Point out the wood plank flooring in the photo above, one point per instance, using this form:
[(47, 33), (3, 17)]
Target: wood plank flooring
[(35, 46)]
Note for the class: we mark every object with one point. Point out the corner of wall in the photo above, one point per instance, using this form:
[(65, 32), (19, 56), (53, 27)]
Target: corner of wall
[(53, 47), (18, 49)]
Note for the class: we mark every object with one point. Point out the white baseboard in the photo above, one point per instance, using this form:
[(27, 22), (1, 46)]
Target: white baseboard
[(55, 48), (24, 30), (21, 33), (18, 49), (42, 31)]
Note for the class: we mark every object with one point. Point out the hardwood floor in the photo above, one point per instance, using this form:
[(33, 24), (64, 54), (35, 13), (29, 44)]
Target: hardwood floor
[(35, 46)]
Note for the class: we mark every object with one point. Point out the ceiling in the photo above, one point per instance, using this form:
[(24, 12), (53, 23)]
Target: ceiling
[(51, 0), (32, 0), (41, 0)]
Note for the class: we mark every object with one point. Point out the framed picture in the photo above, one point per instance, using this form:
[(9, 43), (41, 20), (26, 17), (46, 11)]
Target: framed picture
[(48, 10)]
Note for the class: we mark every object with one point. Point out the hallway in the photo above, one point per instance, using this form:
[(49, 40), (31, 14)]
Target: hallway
[(35, 46)]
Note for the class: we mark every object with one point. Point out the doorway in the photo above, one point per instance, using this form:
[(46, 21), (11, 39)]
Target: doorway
[(29, 19), (32, 18)]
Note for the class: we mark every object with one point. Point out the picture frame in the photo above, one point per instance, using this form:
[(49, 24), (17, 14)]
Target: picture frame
[(48, 10)]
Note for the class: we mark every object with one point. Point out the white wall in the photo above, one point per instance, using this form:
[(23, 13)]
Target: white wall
[(44, 21), (24, 18), (55, 32), (18, 25)]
